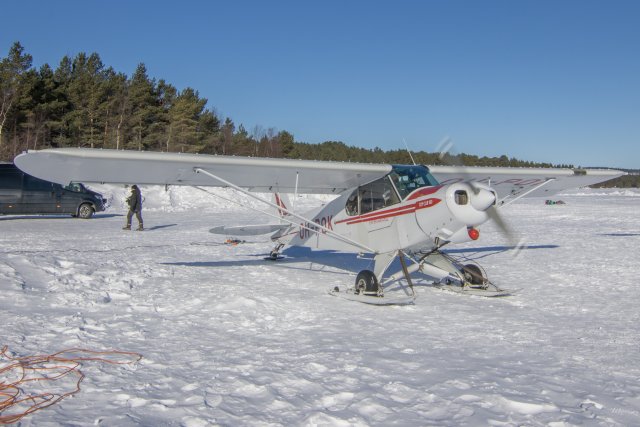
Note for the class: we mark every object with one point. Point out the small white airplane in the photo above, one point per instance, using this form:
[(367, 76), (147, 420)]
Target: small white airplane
[(390, 211)]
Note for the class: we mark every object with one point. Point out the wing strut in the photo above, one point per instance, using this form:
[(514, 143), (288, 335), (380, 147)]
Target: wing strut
[(295, 194), (226, 199), (293, 214)]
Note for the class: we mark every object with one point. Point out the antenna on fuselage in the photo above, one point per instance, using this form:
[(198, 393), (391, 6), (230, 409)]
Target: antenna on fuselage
[(408, 151)]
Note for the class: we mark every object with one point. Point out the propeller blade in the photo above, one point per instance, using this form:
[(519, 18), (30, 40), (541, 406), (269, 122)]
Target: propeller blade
[(444, 149), (515, 243)]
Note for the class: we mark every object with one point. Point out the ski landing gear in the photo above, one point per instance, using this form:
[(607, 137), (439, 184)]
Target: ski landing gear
[(445, 271), (469, 279), (369, 290), (367, 284)]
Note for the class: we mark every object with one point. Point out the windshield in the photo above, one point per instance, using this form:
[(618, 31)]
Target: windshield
[(76, 187), (409, 178)]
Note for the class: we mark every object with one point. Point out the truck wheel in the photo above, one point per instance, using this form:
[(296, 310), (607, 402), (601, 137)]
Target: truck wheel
[(85, 211)]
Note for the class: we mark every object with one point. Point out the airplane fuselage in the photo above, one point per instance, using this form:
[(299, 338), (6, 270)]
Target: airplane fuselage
[(376, 216)]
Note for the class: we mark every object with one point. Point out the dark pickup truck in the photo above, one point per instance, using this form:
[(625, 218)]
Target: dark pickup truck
[(21, 194)]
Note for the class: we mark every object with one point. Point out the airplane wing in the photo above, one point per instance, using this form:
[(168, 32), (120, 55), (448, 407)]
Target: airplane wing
[(513, 183), (65, 165)]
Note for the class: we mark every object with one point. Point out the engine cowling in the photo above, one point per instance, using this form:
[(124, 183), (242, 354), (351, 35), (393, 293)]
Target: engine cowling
[(465, 207), (469, 204)]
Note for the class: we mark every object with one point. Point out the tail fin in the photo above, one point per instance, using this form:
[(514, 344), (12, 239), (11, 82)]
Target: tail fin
[(282, 200)]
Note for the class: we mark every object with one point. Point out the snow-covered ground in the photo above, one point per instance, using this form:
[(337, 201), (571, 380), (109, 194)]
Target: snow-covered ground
[(231, 339)]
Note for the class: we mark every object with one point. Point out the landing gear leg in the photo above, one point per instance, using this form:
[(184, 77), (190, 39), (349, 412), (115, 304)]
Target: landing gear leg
[(405, 270), (372, 284), (369, 288), (275, 252)]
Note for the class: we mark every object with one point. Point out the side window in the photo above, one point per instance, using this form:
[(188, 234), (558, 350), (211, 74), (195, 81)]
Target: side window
[(11, 180), (75, 187), (351, 207), (35, 184), (377, 195)]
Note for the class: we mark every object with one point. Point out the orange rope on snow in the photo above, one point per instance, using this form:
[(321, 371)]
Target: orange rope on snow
[(21, 372), (233, 242)]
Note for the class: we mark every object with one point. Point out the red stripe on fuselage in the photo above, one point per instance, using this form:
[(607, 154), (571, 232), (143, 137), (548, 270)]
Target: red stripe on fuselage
[(376, 213), (426, 191), (390, 213)]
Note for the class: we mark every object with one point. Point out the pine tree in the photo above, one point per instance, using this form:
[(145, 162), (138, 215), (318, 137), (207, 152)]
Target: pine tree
[(209, 128), (167, 95), (184, 116), (243, 145), (117, 110), (228, 130), (145, 117), (13, 70), (287, 144), (86, 92)]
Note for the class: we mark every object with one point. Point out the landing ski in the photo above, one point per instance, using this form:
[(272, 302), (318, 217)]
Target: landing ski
[(490, 291), (387, 299)]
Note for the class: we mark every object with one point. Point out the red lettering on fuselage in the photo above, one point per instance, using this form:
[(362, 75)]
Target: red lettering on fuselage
[(319, 225), (427, 203)]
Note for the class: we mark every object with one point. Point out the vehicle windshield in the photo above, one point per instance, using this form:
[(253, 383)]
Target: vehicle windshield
[(75, 186), (409, 178)]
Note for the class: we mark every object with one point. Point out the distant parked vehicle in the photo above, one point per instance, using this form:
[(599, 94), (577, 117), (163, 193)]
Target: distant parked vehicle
[(21, 194)]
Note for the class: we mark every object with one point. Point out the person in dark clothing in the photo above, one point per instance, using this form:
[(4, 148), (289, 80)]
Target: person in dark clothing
[(135, 206)]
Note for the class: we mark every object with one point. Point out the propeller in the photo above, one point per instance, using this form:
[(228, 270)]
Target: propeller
[(444, 149)]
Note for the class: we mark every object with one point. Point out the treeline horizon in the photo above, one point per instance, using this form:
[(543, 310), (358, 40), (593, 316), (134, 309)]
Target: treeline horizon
[(85, 103)]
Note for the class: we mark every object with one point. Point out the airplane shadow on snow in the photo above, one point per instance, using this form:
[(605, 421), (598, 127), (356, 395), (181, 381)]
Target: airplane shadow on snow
[(293, 257), (350, 263)]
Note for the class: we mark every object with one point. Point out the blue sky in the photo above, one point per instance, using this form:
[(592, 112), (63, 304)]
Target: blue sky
[(555, 81)]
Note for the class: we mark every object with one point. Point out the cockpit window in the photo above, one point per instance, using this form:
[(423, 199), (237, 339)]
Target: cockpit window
[(377, 195), (371, 197), (409, 178), (352, 204)]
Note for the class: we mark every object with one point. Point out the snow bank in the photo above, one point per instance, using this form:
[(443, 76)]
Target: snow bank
[(181, 198)]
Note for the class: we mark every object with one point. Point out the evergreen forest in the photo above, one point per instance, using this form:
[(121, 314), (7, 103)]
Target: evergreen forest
[(85, 103)]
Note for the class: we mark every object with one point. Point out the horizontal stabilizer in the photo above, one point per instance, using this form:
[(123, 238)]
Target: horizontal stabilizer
[(248, 230)]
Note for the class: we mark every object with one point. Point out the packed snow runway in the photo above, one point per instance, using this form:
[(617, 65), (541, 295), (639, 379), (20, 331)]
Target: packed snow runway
[(231, 339)]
